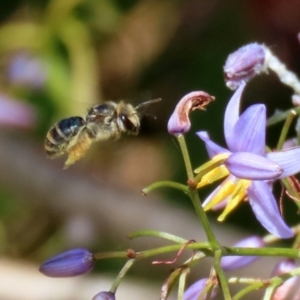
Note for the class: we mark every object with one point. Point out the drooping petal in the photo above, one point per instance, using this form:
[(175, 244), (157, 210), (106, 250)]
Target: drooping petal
[(251, 166), (211, 147), (266, 210), (179, 122), (232, 113), (249, 132), (288, 159), (235, 262)]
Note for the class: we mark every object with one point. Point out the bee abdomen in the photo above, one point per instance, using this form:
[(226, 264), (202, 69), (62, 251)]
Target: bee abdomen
[(59, 136)]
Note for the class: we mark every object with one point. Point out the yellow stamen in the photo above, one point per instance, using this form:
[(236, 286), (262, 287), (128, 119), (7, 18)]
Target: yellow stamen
[(213, 176), (217, 160), (226, 189), (238, 195)]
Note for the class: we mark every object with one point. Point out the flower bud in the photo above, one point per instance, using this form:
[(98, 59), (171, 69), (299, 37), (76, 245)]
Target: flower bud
[(235, 262), (104, 296), (179, 122), (282, 267), (194, 291), (69, 263), (244, 64)]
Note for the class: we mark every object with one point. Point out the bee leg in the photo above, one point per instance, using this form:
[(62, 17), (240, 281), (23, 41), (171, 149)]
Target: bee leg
[(78, 149)]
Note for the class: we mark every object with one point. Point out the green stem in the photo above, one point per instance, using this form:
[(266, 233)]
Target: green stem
[(203, 219), (194, 195), (121, 275), (285, 129), (182, 281), (281, 252), (278, 117), (105, 255), (221, 276), (247, 290), (203, 247), (160, 184), (155, 233)]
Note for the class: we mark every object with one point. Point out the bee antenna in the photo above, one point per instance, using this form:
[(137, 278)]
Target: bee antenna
[(147, 103)]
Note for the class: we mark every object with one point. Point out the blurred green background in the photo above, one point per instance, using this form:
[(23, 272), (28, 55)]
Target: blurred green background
[(58, 58)]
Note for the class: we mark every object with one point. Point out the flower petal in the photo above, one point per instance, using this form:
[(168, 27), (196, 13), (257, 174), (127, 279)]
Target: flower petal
[(232, 113), (211, 147), (249, 132), (193, 292), (251, 166), (266, 210), (288, 159), (235, 262), (16, 113), (284, 290)]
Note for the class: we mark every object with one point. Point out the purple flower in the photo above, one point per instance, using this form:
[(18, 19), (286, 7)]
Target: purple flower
[(16, 113), (69, 263), (104, 296), (247, 165), (25, 69), (179, 122), (244, 64), (194, 291), (235, 262)]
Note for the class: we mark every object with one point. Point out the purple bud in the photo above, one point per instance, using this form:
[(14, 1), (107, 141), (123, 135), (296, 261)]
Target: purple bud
[(283, 290), (104, 296), (244, 64), (194, 291), (179, 122), (235, 262), (69, 263)]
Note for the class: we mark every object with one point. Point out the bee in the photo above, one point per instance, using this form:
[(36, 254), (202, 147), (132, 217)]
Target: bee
[(73, 136)]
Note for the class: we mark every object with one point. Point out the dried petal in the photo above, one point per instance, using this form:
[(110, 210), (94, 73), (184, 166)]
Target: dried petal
[(179, 122)]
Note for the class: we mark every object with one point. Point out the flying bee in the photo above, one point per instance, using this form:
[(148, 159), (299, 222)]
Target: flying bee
[(102, 122)]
